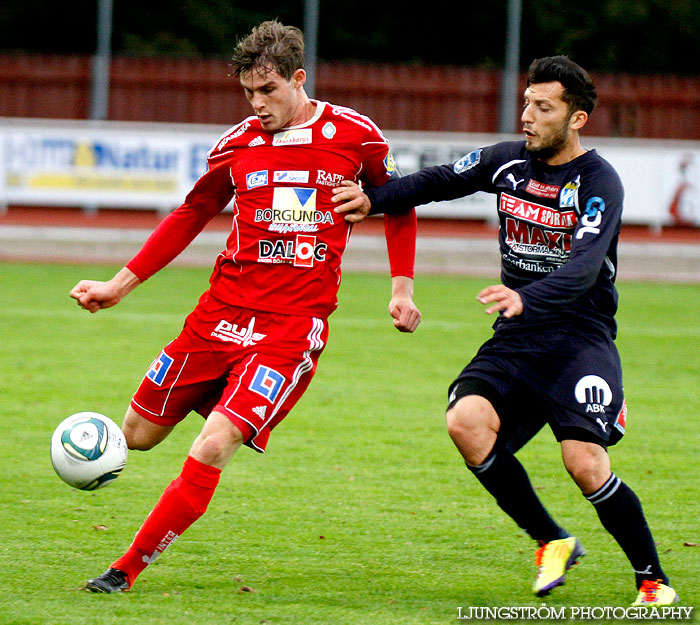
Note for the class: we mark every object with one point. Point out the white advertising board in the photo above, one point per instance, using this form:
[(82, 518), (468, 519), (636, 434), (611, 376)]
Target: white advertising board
[(101, 165), (132, 165), (661, 178)]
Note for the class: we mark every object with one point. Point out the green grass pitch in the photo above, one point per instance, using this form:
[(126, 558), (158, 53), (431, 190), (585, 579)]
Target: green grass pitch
[(361, 512)]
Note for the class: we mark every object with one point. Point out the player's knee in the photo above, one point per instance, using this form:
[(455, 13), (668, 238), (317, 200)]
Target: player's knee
[(210, 449), (587, 476), (471, 417), (142, 435), (473, 426), (215, 446), (136, 441), (588, 466), (459, 425)]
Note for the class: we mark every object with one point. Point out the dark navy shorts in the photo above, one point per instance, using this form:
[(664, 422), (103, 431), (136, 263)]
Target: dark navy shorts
[(569, 378)]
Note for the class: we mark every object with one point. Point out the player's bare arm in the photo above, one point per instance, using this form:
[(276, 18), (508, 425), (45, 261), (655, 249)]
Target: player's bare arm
[(93, 295), (401, 307), (501, 298), (355, 203)]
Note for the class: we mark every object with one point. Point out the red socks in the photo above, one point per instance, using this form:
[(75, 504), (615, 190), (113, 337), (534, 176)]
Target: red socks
[(181, 504)]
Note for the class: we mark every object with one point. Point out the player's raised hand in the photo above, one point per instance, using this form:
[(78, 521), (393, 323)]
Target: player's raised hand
[(502, 299), (94, 295), (355, 204)]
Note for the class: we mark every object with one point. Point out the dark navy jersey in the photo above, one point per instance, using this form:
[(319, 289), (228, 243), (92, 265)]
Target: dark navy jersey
[(559, 226)]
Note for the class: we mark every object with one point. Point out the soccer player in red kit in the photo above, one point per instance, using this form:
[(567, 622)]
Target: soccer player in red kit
[(250, 347)]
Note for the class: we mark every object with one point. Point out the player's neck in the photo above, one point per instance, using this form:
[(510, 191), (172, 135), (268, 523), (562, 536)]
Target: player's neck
[(572, 150), (305, 111)]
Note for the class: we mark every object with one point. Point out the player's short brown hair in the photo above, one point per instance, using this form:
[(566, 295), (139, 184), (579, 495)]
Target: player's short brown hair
[(579, 90), (270, 46)]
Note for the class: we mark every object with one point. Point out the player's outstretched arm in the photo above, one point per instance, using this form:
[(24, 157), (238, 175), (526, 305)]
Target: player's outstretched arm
[(93, 295), (401, 307), (353, 201)]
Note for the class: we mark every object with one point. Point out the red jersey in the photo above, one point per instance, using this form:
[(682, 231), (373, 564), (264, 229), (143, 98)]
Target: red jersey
[(284, 251)]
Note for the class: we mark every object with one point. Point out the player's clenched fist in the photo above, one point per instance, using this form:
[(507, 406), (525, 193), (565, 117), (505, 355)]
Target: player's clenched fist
[(93, 295)]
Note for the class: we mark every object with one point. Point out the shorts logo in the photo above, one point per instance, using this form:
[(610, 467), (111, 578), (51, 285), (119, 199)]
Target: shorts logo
[(256, 179), (595, 392), (267, 382), (231, 333), (159, 369), (621, 421)]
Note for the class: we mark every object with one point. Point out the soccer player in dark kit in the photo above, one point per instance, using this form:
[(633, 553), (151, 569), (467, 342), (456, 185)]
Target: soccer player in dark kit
[(552, 358)]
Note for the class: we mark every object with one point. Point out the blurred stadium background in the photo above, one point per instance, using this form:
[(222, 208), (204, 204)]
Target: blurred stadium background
[(111, 73)]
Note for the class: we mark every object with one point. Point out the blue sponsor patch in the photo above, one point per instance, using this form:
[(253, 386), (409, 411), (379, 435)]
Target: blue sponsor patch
[(256, 179), (595, 205), (467, 161), (159, 369), (267, 382)]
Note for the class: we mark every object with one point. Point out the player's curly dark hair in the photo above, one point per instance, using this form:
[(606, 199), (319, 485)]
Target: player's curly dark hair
[(579, 90), (270, 46)]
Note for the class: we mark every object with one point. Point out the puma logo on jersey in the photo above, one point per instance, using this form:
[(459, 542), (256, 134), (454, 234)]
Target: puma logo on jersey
[(511, 178)]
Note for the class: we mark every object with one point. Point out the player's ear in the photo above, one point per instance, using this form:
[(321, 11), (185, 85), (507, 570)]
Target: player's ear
[(298, 78), (578, 120)]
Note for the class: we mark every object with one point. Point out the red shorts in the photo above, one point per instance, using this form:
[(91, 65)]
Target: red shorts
[(249, 365)]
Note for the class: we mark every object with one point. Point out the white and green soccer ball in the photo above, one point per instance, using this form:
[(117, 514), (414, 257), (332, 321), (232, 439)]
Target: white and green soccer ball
[(88, 450)]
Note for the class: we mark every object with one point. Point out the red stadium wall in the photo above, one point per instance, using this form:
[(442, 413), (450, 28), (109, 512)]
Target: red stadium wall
[(397, 97)]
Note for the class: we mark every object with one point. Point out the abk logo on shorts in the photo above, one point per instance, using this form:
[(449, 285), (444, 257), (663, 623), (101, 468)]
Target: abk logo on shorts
[(267, 382), (159, 369), (302, 251), (231, 333), (595, 393)]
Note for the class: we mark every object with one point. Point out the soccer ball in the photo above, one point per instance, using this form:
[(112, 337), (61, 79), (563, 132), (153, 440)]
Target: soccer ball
[(88, 450)]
